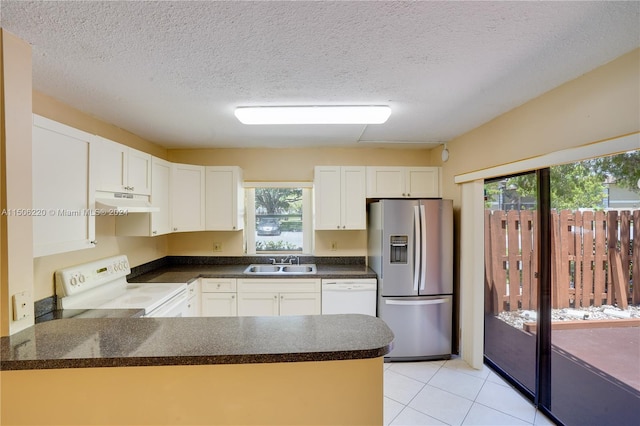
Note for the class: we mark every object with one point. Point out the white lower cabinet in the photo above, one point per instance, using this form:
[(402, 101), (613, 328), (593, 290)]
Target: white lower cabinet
[(218, 297), (269, 297)]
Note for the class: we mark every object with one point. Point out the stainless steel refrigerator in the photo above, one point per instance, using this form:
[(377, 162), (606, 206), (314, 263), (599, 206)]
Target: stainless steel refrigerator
[(411, 250)]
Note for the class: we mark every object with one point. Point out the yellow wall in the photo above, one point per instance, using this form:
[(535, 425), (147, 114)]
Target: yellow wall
[(296, 393), (15, 144), (287, 165), (599, 105)]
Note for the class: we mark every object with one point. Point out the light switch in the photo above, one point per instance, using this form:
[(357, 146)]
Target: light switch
[(21, 307)]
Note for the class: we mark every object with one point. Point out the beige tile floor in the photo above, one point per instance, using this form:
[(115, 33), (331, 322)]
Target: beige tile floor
[(452, 393)]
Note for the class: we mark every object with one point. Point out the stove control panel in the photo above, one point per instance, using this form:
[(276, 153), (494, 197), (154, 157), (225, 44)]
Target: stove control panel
[(80, 278)]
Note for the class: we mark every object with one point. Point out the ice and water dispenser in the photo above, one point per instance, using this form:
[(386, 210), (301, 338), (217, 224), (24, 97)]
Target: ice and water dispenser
[(399, 245)]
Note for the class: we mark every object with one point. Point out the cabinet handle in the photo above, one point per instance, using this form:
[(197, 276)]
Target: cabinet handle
[(344, 226), (282, 297), (275, 297), (94, 242), (404, 195), (175, 229), (154, 232), (233, 296), (338, 226), (408, 195)]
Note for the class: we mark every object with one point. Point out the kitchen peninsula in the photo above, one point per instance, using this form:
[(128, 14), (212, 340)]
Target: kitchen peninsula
[(233, 370)]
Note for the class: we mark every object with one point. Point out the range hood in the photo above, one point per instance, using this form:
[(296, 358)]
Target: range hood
[(117, 202)]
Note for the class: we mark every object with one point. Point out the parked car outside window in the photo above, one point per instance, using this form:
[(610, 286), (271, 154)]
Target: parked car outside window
[(268, 226)]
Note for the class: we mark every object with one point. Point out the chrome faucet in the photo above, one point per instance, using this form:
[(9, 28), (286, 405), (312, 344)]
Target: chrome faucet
[(289, 260)]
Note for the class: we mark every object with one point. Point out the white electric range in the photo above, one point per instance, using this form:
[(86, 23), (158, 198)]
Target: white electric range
[(102, 284)]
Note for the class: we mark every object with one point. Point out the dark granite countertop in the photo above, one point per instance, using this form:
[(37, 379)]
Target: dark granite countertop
[(187, 273), (120, 342)]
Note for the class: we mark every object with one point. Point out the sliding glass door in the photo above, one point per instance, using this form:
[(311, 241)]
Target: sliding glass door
[(510, 284), (562, 288), (595, 292)]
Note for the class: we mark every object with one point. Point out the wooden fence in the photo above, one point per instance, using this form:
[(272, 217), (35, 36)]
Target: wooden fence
[(595, 259)]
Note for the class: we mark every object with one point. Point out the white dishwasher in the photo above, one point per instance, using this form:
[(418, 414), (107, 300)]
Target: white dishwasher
[(349, 296)]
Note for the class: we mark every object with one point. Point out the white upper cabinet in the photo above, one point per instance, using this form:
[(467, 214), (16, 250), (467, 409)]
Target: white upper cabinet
[(154, 223), (118, 168), (187, 197), (224, 198), (403, 182), (63, 195), (340, 197), (160, 196)]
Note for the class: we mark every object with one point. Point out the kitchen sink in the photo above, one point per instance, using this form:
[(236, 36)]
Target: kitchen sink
[(262, 269), (280, 269), (299, 269)]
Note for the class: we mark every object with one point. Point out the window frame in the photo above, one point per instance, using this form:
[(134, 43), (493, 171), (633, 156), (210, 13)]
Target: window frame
[(250, 216)]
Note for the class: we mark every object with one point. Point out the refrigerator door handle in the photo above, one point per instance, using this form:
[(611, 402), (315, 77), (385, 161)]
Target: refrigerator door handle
[(416, 302), (423, 248), (417, 240)]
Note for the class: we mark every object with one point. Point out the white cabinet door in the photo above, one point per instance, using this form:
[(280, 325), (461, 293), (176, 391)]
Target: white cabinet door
[(139, 169), (187, 197), (63, 197), (160, 197), (340, 197), (403, 182), (385, 182), (353, 198), (109, 161), (326, 193), (258, 304), (423, 182), (219, 305), (300, 304), (224, 198), (118, 168), (63, 194)]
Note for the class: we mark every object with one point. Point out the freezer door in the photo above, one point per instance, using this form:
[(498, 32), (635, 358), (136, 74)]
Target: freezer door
[(400, 225), (436, 243), (421, 325)]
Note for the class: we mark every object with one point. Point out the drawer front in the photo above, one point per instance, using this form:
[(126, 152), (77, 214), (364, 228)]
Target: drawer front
[(215, 285), (279, 285)]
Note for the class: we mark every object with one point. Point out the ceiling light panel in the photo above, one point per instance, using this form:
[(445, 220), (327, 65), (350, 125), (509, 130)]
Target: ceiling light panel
[(366, 114)]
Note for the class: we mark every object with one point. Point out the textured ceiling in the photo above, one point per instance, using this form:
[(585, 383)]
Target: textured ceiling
[(173, 72)]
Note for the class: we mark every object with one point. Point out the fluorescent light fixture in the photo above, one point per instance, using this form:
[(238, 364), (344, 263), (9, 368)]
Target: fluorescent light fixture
[(349, 114)]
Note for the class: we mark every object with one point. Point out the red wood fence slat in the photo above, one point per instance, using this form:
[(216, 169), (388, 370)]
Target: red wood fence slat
[(587, 258), (513, 253), (635, 278), (612, 241), (498, 250), (526, 228), (491, 295), (577, 263), (600, 261)]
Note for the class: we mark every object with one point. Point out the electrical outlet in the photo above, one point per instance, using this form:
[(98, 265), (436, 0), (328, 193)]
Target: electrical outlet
[(21, 305), (217, 246), (334, 245)]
